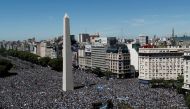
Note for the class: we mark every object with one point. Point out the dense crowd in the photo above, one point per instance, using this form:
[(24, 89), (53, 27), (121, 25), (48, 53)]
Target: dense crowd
[(36, 87)]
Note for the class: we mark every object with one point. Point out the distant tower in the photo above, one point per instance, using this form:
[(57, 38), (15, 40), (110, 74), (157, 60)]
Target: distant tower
[(67, 57), (173, 32)]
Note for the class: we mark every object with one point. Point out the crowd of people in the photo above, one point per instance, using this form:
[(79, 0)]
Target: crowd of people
[(36, 87)]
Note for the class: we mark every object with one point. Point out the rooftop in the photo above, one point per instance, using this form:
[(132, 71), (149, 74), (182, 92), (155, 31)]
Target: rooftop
[(116, 48)]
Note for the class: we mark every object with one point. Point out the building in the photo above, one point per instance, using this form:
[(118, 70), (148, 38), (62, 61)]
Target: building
[(98, 55), (50, 52), (32, 47), (133, 50), (115, 58), (186, 70), (92, 56), (84, 38), (157, 63), (143, 40), (183, 41), (118, 60), (84, 57), (8, 46), (38, 44), (93, 37), (44, 49), (105, 41), (43, 46), (72, 37)]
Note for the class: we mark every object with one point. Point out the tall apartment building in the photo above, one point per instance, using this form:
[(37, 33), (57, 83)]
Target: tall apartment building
[(143, 40), (43, 46), (84, 38), (92, 56), (84, 58), (98, 55), (38, 48), (72, 37), (186, 70), (156, 63), (43, 50)]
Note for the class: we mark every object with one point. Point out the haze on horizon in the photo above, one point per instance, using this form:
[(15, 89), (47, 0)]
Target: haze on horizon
[(43, 19)]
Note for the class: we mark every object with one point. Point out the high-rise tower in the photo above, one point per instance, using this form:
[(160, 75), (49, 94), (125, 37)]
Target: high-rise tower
[(173, 34), (67, 56)]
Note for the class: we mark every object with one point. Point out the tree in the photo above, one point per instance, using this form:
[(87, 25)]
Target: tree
[(3, 52), (180, 78), (124, 105), (56, 64), (179, 84), (44, 61), (2, 69), (187, 99), (24, 55), (89, 70), (157, 82), (108, 74), (5, 66), (98, 72), (166, 83), (110, 104)]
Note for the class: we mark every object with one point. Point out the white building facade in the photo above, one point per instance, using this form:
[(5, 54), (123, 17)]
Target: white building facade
[(84, 59), (157, 63), (133, 56), (186, 70)]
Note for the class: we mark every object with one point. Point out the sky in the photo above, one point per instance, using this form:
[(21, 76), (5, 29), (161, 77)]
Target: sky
[(43, 19)]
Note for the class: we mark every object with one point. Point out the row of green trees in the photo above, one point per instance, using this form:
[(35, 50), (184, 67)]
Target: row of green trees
[(176, 84), (23, 55), (55, 64), (99, 72)]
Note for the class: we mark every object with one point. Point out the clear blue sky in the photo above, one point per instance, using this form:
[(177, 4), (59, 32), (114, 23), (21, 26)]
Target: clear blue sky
[(21, 19)]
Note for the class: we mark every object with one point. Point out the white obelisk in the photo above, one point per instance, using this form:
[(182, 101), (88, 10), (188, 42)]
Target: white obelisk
[(67, 57)]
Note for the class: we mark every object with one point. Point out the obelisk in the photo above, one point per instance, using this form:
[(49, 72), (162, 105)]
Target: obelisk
[(67, 56)]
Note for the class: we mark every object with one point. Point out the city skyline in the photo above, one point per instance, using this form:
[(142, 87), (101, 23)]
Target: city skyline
[(43, 19)]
